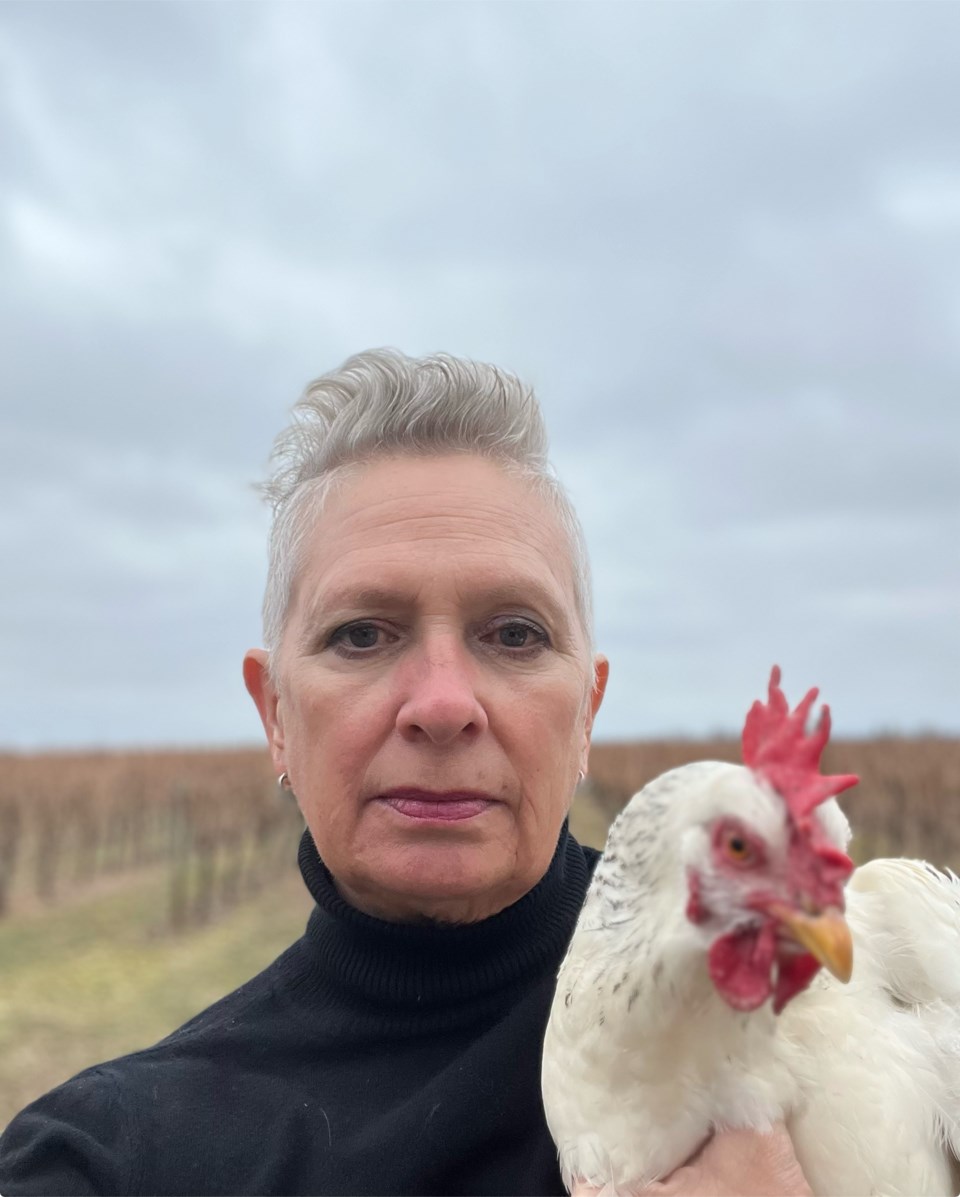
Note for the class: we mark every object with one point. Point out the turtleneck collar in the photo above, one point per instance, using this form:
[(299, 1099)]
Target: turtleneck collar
[(418, 965)]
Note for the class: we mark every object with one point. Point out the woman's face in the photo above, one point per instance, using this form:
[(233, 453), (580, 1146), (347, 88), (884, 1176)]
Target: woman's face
[(435, 693)]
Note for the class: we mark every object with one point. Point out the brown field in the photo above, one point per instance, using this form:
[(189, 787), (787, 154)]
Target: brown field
[(71, 824), (126, 879), (215, 824), (907, 802)]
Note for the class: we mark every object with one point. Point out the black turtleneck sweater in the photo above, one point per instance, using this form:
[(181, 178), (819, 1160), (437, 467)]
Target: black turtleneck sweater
[(370, 1058)]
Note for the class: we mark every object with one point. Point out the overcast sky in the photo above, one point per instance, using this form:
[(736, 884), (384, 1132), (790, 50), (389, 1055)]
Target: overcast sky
[(722, 240)]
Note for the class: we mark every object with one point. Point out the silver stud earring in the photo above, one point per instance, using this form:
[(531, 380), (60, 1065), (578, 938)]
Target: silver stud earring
[(283, 781), (580, 776)]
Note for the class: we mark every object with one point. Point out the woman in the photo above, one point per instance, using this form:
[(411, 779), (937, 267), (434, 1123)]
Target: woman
[(428, 691)]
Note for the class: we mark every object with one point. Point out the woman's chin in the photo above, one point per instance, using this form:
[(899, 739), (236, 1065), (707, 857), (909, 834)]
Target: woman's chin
[(440, 884), (406, 869)]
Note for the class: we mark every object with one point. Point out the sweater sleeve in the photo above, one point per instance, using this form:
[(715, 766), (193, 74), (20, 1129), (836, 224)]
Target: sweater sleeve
[(76, 1139)]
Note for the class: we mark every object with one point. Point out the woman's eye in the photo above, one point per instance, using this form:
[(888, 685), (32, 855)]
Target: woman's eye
[(356, 635), (517, 635)]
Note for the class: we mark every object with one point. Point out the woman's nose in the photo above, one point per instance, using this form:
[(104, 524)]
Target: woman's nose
[(441, 704)]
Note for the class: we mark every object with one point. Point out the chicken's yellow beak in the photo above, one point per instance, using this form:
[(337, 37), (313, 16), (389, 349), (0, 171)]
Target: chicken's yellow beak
[(826, 936)]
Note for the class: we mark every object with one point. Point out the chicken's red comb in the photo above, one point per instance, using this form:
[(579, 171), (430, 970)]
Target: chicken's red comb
[(776, 746)]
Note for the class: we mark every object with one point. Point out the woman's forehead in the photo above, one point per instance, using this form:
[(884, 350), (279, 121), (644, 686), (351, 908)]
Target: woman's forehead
[(463, 517), (432, 485)]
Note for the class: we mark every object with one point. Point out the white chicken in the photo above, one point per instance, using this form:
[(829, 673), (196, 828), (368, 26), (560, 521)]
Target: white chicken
[(692, 995)]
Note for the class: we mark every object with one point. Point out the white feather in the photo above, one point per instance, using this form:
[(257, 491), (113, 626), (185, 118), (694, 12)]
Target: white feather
[(643, 1059)]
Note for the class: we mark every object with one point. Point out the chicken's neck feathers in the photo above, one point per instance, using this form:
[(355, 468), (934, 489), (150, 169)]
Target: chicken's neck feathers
[(634, 949), (633, 957)]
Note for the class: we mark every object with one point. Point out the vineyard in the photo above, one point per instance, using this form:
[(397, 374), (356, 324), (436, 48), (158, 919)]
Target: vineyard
[(907, 802), (213, 822), (218, 828)]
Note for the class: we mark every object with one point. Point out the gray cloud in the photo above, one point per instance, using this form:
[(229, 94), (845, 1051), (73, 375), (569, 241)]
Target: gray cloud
[(723, 240)]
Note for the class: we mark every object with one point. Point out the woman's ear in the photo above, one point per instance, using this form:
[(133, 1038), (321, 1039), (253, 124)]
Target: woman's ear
[(601, 671), (256, 676)]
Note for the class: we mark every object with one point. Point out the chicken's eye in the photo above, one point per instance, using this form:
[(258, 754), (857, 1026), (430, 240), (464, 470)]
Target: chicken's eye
[(738, 848), (734, 845)]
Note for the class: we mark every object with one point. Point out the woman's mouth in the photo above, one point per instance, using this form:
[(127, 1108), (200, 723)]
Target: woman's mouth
[(446, 806)]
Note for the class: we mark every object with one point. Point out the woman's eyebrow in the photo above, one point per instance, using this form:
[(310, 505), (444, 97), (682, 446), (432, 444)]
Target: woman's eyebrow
[(350, 599), (521, 592), (524, 593)]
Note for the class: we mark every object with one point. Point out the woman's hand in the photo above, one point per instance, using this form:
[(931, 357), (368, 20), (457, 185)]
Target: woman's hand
[(739, 1163), (734, 1163)]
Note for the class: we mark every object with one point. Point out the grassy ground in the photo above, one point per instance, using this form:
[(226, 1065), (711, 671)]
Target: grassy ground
[(588, 821), (83, 983)]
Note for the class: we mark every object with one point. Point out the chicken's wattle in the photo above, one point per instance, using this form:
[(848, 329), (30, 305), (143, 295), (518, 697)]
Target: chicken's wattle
[(752, 964)]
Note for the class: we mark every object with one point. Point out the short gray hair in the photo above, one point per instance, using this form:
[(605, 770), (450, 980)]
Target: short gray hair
[(381, 404)]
